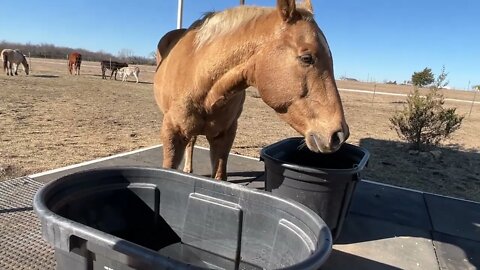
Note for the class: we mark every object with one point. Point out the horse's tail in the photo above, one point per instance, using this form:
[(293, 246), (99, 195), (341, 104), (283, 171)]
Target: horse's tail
[(79, 59), (5, 60)]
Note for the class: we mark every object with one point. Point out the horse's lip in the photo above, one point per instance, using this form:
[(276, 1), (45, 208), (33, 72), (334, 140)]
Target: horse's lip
[(313, 144)]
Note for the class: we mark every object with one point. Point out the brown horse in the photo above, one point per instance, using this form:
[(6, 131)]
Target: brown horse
[(203, 72), (74, 62)]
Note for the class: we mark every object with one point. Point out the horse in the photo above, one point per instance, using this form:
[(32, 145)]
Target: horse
[(74, 62), (129, 71), (16, 57), (203, 71), (113, 66)]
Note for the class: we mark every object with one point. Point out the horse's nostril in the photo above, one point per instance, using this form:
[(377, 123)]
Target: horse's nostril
[(337, 139)]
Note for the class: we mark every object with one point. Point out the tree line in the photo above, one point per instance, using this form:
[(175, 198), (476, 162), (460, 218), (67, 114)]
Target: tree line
[(51, 51)]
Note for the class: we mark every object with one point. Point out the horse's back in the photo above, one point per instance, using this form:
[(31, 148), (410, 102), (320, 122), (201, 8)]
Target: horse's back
[(74, 56), (13, 55)]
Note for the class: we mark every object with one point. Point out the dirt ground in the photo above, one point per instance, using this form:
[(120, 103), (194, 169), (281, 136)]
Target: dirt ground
[(51, 119)]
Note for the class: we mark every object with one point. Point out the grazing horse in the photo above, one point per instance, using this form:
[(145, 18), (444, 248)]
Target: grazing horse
[(203, 72), (113, 66), (74, 62), (10, 57), (129, 71)]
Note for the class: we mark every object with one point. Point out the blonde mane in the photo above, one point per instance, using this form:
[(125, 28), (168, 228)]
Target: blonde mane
[(215, 24)]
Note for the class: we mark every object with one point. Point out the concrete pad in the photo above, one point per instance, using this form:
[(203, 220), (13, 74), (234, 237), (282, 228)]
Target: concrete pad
[(456, 253), (401, 206), (240, 170), (455, 217), (119, 161), (378, 244)]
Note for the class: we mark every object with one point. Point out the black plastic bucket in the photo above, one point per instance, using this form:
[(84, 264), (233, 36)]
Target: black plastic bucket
[(139, 218), (323, 182)]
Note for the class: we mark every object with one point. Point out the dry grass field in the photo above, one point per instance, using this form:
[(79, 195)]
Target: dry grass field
[(52, 119)]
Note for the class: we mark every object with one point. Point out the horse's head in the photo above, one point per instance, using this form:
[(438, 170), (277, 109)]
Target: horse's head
[(294, 75)]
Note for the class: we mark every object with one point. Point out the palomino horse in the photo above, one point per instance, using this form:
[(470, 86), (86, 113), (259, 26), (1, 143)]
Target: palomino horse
[(74, 62), (10, 57), (203, 72)]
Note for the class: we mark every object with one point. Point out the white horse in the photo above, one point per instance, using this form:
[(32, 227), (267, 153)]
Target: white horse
[(16, 57), (128, 71)]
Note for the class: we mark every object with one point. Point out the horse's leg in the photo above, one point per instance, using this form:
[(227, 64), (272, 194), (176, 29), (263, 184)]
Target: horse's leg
[(10, 66), (16, 69), (136, 77), (219, 149), (187, 167), (111, 74), (173, 145)]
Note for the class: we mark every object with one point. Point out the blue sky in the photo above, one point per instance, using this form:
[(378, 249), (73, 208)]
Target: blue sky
[(370, 39)]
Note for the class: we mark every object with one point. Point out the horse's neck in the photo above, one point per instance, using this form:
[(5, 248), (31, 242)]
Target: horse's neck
[(232, 50)]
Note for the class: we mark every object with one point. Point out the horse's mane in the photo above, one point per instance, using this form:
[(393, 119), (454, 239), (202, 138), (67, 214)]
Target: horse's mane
[(215, 24)]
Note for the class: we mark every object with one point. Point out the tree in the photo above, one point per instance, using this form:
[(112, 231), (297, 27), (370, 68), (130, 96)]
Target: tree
[(441, 80), (125, 54), (423, 78), (424, 121), (153, 55)]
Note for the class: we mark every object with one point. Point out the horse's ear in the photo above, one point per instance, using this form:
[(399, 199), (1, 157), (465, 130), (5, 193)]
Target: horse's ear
[(167, 42), (307, 5), (286, 9)]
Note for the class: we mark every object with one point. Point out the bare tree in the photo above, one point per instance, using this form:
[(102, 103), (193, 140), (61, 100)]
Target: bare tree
[(125, 54)]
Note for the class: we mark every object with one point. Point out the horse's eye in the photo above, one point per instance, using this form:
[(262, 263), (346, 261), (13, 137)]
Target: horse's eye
[(307, 59)]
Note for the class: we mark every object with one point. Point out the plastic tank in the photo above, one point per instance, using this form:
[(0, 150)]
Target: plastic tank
[(323, 182), (138, 218)]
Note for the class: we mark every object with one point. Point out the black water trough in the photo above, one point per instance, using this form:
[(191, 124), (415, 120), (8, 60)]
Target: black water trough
[(323, 182)]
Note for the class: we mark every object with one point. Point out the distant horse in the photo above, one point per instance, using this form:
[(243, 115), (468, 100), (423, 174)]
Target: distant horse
[(113, 66), (203, 72), (74, 62), (10, 57), (129, 71)]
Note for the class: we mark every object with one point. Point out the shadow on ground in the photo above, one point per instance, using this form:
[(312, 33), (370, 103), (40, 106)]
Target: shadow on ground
[(45, 76), (455, 172)]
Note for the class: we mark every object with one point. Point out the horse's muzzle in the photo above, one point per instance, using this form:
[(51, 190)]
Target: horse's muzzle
[(320, 144)]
